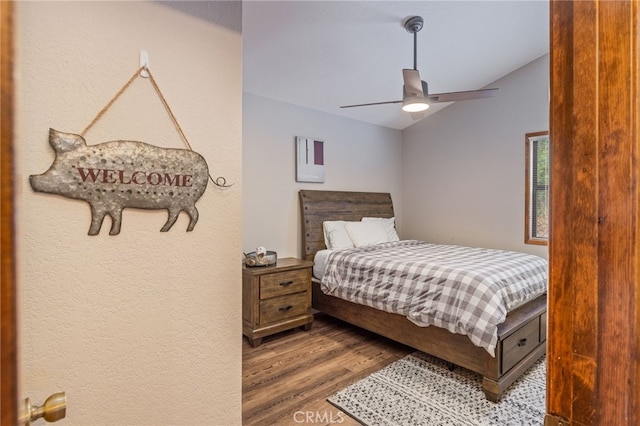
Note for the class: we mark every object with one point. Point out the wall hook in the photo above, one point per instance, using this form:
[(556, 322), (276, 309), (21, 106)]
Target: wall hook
[(144, 63)]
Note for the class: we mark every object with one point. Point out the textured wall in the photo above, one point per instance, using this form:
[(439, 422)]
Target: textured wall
[(142, 328)]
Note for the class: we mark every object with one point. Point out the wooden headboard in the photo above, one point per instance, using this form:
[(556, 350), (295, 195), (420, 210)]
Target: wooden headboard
[(319, 206)]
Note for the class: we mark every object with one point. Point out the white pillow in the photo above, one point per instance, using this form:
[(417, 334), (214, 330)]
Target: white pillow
[(335, 235), (389, 226), (366, 233)]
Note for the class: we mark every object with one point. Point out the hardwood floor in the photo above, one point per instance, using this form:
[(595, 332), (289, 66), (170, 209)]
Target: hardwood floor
[(286, 380)]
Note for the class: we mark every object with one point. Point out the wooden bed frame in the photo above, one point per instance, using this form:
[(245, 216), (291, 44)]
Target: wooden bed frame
[(521, 338)]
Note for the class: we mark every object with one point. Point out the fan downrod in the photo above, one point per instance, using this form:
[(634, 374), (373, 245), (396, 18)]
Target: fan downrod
[(413, 24)]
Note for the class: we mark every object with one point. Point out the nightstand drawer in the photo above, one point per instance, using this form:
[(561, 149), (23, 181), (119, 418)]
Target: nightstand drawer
[(279, 308), (282, 283), (520, 343)]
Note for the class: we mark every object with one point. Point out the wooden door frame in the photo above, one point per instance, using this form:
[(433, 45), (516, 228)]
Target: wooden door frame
[(593, 360), (8, 365)]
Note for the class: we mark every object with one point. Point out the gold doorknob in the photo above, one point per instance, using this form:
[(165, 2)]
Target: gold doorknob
[(53, 409)]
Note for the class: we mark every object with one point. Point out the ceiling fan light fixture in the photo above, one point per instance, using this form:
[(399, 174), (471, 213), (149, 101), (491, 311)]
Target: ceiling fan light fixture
[(414, 105)]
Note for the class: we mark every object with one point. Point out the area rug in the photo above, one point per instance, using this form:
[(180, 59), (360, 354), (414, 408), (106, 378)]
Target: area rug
[(420, 390)]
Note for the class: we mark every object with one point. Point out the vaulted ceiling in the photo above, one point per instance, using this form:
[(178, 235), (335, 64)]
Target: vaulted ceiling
[(323, 54)]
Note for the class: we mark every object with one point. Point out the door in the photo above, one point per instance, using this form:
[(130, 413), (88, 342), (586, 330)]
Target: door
[(55, 407)]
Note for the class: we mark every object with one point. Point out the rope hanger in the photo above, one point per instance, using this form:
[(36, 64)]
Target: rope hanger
[(220, 181)]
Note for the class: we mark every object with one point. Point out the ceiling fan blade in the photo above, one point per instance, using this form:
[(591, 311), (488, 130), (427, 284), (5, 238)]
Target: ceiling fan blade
[(371, 103), (462, 96), (412, 83)]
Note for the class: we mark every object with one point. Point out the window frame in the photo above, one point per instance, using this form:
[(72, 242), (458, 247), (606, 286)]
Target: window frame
[(529, 238)]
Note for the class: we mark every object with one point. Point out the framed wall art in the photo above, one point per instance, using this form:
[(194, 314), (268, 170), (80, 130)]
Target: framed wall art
[(309, 159)]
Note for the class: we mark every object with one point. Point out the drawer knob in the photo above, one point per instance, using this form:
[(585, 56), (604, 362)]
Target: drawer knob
[(286, 283), (285, 308), (522, 342)]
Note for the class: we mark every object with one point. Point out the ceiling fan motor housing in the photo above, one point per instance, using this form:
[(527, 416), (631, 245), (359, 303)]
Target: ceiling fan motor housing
[(425, 89)]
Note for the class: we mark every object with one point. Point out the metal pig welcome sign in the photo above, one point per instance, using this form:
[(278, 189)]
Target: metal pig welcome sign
[(111, 176)]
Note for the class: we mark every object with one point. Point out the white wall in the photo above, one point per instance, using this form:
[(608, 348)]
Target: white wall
[(464, 167), (358, 157), (142, 328)]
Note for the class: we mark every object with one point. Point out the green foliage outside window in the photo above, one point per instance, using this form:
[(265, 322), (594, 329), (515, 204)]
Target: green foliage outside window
[(537, 202)]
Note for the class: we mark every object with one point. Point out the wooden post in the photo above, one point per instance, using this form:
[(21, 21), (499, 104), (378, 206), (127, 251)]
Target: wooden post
[(594, 249)]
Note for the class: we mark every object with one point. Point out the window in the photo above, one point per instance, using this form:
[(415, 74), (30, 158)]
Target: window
[(537, 188)]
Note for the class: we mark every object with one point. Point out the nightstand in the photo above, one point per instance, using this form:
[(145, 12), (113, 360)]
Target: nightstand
[(276, 298)]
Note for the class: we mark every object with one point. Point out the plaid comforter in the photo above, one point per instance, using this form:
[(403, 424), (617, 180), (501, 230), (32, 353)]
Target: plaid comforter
[(462, 289)]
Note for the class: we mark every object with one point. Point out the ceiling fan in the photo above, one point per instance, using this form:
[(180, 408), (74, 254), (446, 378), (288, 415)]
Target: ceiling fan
[(415, 93)]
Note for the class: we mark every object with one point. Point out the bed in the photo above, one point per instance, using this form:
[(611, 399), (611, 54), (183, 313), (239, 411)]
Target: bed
[(521, 338)]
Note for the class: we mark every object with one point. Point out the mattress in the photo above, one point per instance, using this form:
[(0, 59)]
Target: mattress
[(320, 263)]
